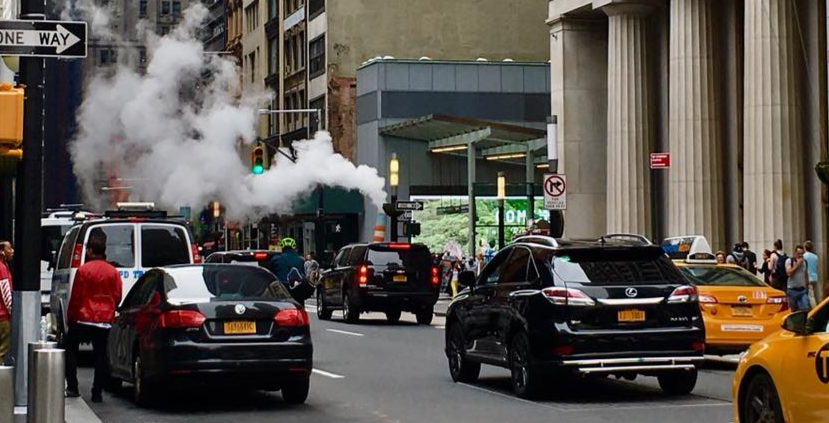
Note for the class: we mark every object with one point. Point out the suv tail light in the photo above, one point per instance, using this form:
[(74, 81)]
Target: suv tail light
[(783, 301), (567, 296), (399, 246), (435, 279), (698, 346), (181, 319), (707, 299), (77, 253), (362, 275), (291, 318), (260, 256), (194, 249), (684, 294)]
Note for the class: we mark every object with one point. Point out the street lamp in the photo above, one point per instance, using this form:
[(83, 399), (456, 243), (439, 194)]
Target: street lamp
[(502, 195), (394, 181)]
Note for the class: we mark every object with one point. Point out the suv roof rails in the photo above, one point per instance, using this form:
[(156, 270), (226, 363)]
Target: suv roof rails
[(538, 239), (628, 237)]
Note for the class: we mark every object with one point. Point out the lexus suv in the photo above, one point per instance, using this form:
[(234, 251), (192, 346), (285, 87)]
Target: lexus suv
[(545, 307), (388, 277)]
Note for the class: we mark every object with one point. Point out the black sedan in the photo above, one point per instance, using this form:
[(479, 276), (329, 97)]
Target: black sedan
[(228, 324)]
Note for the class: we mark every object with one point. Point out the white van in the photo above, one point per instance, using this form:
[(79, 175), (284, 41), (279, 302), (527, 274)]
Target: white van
[(54, 227)]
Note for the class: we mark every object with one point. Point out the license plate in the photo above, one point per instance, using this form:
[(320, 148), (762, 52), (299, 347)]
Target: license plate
[(241, 327), (742, 328), (399, 278), (741, 311), (631, 315)]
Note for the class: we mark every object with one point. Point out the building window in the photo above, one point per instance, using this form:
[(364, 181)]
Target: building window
[(177, 9), (252, 16), (252, 62), (315, 7), (273, 9), (273, 119), (107, 57), (142, 9), (165, 8), (316, 62), (318, 103), (273, 56), (163, 30)]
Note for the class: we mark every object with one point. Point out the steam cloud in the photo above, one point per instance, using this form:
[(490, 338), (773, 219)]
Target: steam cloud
[(173, 135)]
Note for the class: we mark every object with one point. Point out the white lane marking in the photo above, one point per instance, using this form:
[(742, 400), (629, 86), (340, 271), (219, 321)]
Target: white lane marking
[(510, 397), (345, 332), (311, 310), (439, 327), (327, 374), (615, 407)]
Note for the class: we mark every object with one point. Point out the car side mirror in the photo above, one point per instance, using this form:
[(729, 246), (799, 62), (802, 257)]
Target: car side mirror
[(796, 322), (467, 278)]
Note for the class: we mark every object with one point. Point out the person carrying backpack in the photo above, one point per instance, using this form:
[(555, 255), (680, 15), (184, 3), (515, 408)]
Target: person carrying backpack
[(779, 277)]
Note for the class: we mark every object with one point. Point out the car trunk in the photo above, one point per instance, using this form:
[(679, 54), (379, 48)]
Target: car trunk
[(240, 321), (740, 303), (404, 268)]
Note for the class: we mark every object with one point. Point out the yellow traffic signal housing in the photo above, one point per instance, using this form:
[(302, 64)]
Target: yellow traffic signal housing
[(11, 117)]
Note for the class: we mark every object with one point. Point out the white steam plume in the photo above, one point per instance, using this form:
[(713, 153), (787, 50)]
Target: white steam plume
[(174, 135)]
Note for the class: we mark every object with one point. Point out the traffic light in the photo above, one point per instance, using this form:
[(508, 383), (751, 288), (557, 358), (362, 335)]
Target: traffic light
[(257, 160), (411, 228), (11, 120)]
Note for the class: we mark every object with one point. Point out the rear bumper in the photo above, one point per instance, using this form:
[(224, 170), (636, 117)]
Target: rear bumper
[(738, 334), (632, 364), (377, 300)]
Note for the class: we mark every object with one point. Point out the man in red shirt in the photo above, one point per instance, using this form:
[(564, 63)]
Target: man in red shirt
[(6, 254), (95, 295)]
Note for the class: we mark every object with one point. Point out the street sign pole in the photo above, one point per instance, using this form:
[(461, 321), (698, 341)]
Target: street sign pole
[(26, 298)]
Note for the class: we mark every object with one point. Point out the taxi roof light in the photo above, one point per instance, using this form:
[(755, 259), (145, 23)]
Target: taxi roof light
[(692, 249)]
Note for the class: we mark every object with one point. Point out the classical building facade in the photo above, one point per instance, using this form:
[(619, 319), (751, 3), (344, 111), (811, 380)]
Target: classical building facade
[(735, 91)]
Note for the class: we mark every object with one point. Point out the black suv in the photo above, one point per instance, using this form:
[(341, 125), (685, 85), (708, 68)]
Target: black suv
[(387, 277), (545, 307)]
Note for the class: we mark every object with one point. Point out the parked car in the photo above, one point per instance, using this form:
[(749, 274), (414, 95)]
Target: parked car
[(137, 240), (236, 326), (386, 277), (547, 308)]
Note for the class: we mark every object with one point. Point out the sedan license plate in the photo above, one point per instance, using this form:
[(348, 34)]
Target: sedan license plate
[(399, 278), (241, 327), (631, 315), (741, 311)]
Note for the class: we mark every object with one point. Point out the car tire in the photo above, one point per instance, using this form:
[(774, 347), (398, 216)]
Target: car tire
[(424, 317), (525, 380), (461, 368), (393, 316), (144, 393), (761, 402), (296, 392), (678, 382), (350, 312), (323, 312)]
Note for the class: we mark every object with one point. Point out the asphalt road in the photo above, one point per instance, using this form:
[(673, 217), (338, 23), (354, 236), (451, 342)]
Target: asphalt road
[(384, 373)]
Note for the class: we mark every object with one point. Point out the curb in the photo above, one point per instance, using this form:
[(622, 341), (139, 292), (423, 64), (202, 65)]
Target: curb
[(78, 411)]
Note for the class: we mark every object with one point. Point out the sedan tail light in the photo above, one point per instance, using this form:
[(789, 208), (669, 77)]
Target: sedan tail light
[(291, 318), (783, 301), (707, 299), (567, 296), (181, 319), (435, 278), (684, 294)]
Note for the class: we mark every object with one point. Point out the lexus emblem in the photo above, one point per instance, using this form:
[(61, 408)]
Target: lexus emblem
[(742, 298), (240, 309), (631, 292)]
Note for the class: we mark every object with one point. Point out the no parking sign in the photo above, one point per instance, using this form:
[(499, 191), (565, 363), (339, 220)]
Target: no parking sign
[(555, 191)]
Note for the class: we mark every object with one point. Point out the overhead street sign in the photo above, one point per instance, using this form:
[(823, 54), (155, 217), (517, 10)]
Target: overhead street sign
[(660, 160), (407, 216), (555, 191), (463, 208), (410, 205), (63, 39)]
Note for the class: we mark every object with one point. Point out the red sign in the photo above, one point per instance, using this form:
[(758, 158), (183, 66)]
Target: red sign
[(660, 160)]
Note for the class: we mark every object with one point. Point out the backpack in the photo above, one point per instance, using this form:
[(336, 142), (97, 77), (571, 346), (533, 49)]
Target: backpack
[(779, 271)]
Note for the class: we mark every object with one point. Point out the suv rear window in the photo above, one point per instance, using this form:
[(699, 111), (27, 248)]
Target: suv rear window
[(120, 240), (163, 245), (65, 256), (51, 237), (382, 258), (223, 283), (719, 276), (617, 267)]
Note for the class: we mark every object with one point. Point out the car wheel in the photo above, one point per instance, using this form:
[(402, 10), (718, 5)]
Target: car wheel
[(460, 368), (761, 403), (424, 317), (323, 312), (144, 392), (296, 392), (525, 380), (678, 383), (393, 316), (350, 312)]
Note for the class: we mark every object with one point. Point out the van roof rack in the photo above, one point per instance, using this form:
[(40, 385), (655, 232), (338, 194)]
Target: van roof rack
[(627, 237), (136, 210)]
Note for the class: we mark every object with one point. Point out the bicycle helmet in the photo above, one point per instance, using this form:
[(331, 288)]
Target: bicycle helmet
[(288, 243)]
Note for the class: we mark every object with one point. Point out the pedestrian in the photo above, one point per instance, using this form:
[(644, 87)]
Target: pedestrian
[(95, 295), (312, 268), (777, 265), (798, 279), (456, 269), (811, 268), (765, 267), (6, 254), (750, 258), (287, 260), (720, 257)]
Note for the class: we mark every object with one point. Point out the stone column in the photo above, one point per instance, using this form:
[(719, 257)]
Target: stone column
[(774, 177), (695, 188), (629, 120)]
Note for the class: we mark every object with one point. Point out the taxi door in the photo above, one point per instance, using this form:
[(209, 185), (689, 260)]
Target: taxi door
[(806, 371)]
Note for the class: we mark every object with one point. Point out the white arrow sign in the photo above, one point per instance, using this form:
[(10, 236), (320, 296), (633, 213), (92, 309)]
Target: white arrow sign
[(60, 39)]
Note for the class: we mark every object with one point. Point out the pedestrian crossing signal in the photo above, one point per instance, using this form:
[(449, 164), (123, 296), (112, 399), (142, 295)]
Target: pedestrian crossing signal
[(257, 161)]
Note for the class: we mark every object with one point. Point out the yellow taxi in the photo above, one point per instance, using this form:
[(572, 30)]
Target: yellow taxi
[(738, 308), (785, 377)]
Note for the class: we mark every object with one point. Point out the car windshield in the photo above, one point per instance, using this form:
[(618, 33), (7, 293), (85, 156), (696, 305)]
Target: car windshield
[(616, 267), (51, 238), (383, 258), (719, 276), (222, 282)]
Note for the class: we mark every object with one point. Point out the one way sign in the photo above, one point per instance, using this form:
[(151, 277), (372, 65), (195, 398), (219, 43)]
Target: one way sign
[(65, 39)]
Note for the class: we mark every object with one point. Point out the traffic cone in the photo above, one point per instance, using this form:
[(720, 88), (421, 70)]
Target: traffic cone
[(380, 228)]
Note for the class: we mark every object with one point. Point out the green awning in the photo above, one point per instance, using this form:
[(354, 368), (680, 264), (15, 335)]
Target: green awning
[(336, 200)]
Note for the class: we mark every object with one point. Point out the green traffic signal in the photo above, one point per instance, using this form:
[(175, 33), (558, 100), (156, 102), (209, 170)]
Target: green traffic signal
[(258, 169)]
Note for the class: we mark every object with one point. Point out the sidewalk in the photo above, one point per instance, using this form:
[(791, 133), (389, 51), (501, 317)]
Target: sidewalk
[(442, 305), (77, 411)]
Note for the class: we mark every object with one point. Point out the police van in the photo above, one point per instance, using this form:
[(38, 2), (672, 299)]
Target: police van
[(55, 224), (138, 238)]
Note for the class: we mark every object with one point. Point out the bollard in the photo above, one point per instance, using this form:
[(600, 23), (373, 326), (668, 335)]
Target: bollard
[(6, 394), (34, 346), (47, 404)]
